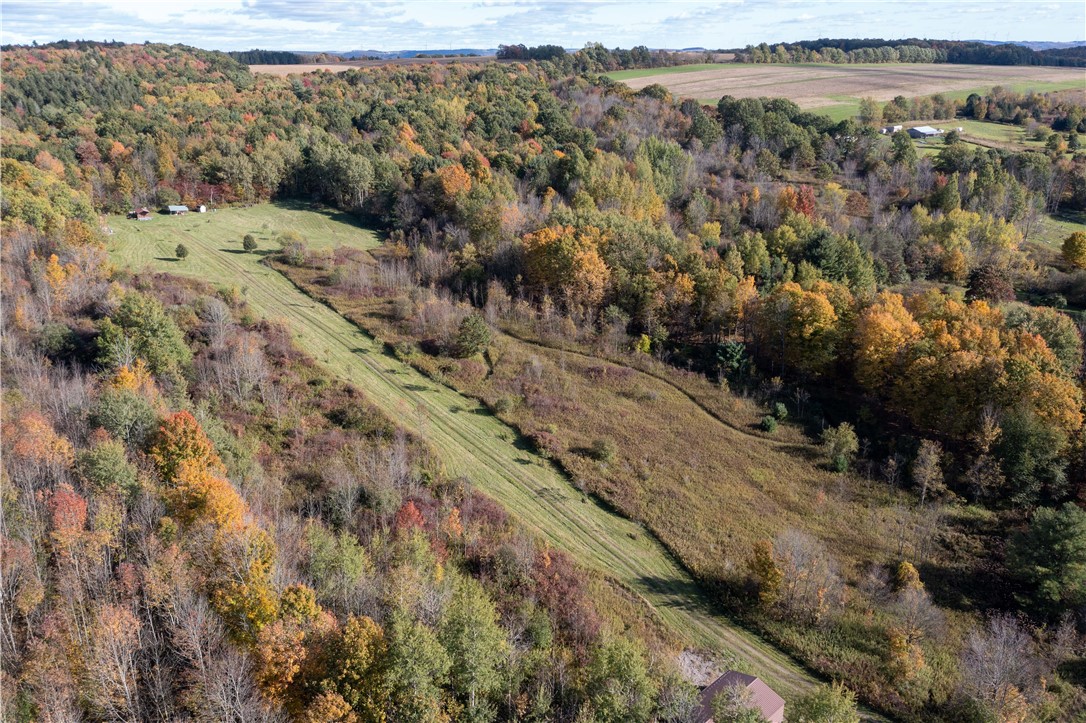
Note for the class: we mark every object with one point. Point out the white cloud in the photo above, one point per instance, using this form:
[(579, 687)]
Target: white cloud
[(420, 24)]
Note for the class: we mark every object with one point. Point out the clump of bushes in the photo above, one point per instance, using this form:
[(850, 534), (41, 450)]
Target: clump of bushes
[(604, 450), (769, 423)]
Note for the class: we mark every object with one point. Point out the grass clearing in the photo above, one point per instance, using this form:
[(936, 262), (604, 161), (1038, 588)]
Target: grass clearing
[(690, 462), (468, 438)]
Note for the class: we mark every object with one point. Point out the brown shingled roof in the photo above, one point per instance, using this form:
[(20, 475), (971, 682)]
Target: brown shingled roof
[(762, 696)]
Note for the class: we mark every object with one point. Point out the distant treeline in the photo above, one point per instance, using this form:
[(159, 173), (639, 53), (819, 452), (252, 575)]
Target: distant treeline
[(596, 58), (912, 50), (267, 57), (70, 45)]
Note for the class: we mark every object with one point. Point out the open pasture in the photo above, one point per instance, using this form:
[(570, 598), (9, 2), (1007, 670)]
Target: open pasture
[(839, 87)]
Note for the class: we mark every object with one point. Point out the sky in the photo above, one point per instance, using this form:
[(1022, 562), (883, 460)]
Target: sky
[(428, 24)]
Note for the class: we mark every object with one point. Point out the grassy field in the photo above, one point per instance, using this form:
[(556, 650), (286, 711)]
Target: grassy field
[(625, 75), (837, 89), (469, 440), (732, 486)]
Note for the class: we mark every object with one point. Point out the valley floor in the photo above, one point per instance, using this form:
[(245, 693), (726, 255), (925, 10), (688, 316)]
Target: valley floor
[(469, 439)]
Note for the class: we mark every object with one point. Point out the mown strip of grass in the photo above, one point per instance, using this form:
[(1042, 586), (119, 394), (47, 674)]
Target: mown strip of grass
[(470, 441)]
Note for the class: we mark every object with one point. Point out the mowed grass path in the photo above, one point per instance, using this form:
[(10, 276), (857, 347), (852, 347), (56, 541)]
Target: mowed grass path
[(469, 440)]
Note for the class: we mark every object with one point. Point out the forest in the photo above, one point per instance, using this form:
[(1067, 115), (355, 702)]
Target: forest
[(912, 50), (201, 523)]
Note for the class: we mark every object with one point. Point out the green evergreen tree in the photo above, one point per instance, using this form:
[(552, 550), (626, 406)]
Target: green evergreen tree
[(477, 648), (472, 336), (418, 667), (1050, 557)]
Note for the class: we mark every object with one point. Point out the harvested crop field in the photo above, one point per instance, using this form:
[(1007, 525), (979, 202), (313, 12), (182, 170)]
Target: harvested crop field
[(297, 69), (824, 85)]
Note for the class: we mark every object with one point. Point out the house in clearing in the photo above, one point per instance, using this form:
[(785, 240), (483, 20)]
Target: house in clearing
[(924, 132), (140, 214), (890, 130), (177, 210), (757, 694)]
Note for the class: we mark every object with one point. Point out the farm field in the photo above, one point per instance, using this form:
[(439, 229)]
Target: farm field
[(837, 89), (625, 75), (470, 440), (300, 68)]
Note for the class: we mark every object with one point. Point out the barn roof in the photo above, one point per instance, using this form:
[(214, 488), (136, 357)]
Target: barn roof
[(764, 699), (927, 130), (177, 209)]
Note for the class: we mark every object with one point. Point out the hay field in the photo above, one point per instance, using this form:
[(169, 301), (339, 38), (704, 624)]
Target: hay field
[(826, 86), (468, 439), (300, 68)]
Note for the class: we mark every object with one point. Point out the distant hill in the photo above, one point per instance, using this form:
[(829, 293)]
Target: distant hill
[(1033, 44), (354, 54)]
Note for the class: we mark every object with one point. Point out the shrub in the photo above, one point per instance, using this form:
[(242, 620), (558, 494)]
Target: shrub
[(249, 243), (181, 251), (57, 341), (769, 423), (1074, 249), (294, 247), (826, 704), (604, 450), (841, 445), (780, 412)]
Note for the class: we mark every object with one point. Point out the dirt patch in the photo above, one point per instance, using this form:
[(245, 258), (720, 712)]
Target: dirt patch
[(814, 86)]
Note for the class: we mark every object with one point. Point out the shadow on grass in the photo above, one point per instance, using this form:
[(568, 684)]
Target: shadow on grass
[(329, 213), (681, 593), (965, 587), (171, 259), (804, 452), (1074, 671), (420, 388)]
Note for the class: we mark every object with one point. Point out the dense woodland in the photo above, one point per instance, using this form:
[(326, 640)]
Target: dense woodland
[(178, 545), (912, 50)]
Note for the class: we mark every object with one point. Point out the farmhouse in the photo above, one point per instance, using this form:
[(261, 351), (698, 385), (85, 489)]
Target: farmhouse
[(924, 132), (140, 214), (761, 696), (177, 210)]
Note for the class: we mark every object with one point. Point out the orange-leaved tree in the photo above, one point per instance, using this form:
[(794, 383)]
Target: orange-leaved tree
[(567, 261)]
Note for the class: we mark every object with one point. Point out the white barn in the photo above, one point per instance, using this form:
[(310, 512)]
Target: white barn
[(924, 132)]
